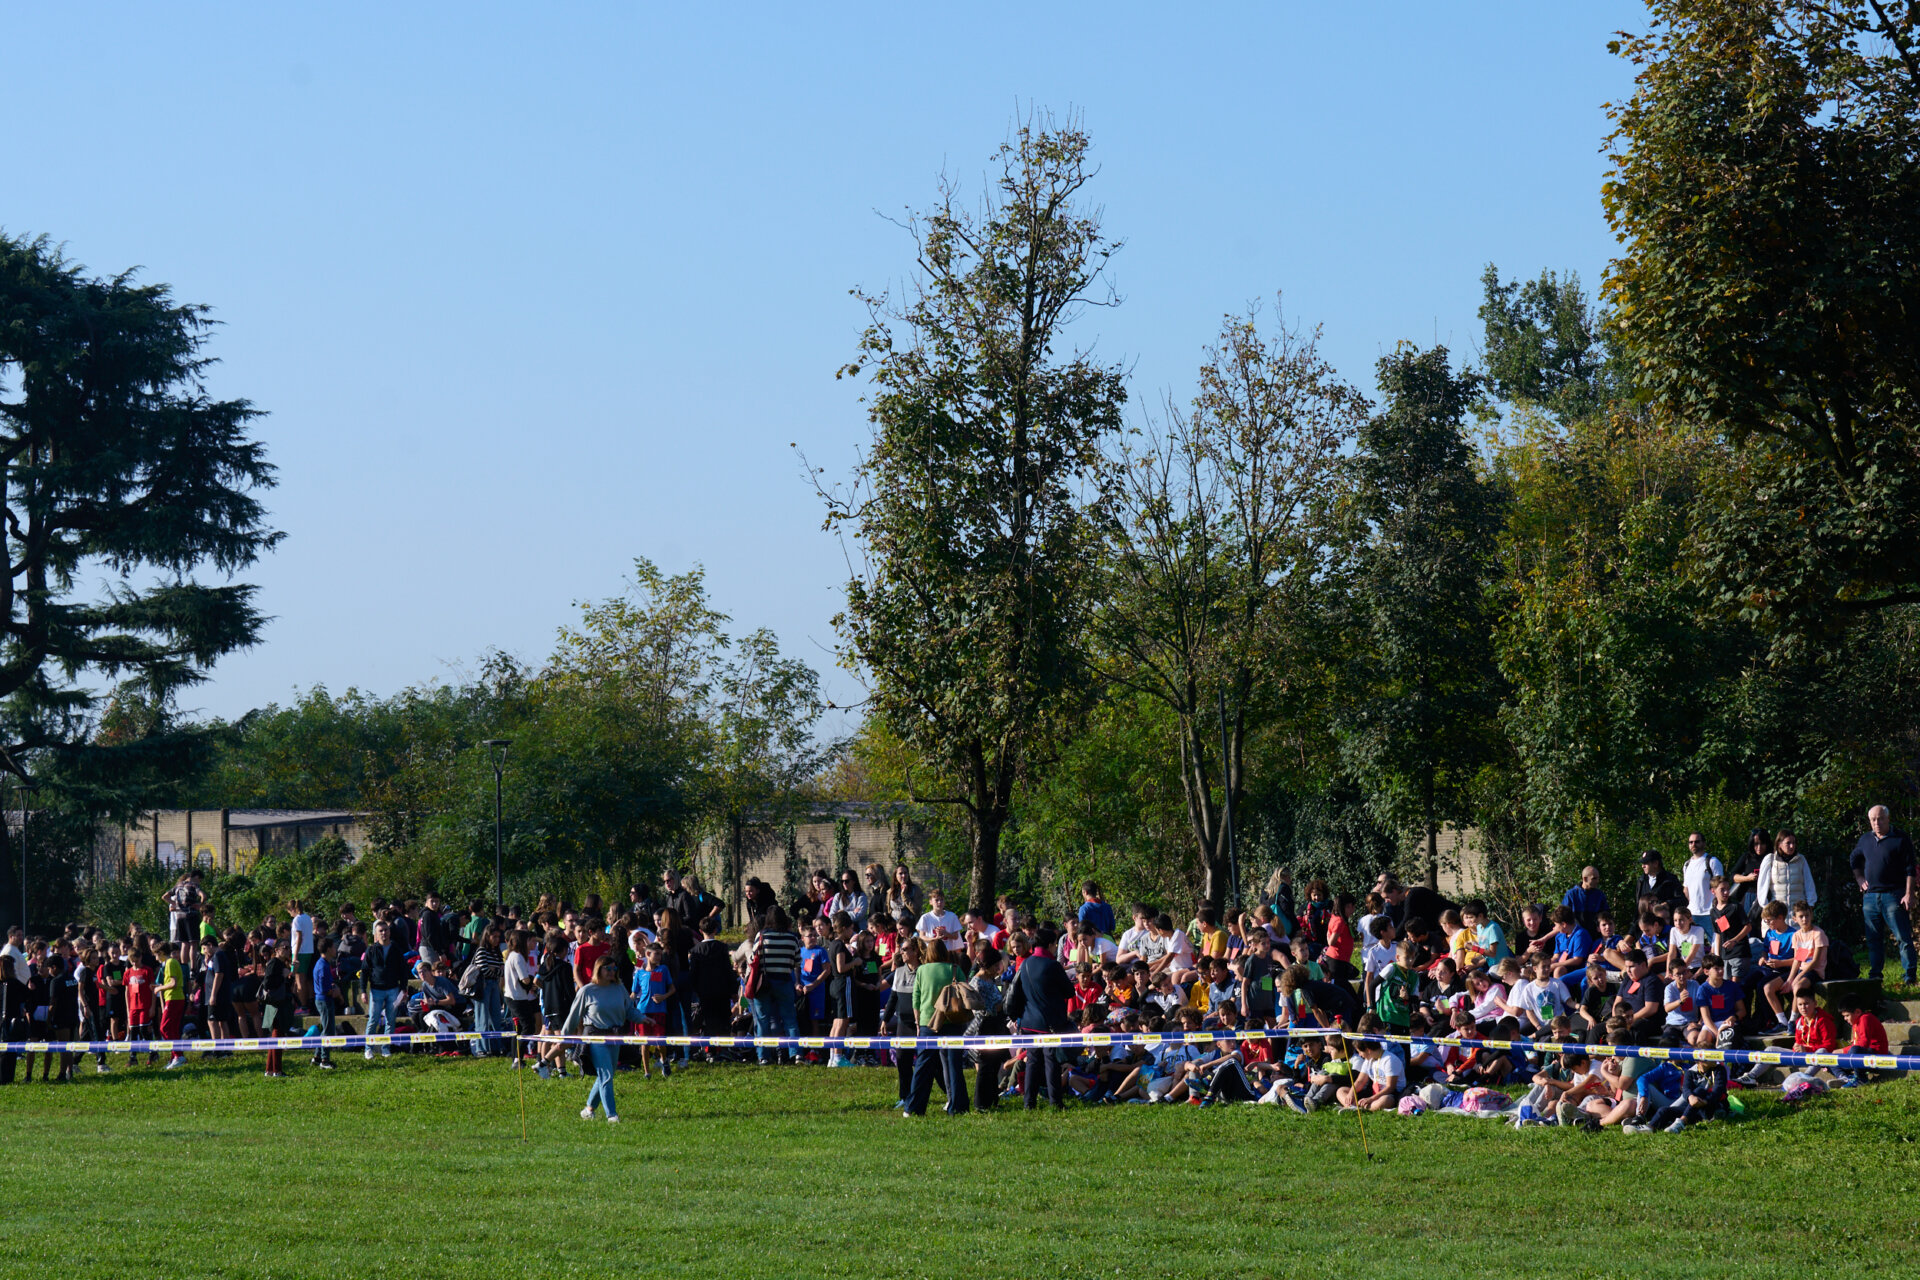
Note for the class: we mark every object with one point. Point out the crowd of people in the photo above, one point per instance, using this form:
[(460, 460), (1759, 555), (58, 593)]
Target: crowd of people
[(1700, 958)]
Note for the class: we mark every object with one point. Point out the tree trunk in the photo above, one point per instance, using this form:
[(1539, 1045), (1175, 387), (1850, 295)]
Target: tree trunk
[(986, 861), (1433, 839), (9, 882)]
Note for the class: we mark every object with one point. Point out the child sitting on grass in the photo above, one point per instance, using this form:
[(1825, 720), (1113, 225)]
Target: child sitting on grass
[(1379, 1083), (1703, 1096)]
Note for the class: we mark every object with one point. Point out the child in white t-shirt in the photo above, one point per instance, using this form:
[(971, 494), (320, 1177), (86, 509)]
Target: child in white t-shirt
[(1687, 939)]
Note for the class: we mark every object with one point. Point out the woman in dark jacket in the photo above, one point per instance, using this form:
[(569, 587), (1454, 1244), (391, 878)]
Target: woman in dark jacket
[(276, 1002), (386, 966)]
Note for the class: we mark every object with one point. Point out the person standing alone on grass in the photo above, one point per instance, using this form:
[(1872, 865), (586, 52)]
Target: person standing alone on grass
[(600, 1009), (1883, 867)]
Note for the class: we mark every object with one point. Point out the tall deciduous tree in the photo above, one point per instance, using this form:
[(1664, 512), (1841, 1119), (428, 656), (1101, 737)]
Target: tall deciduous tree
[(1220, 534), (1766, 184), (115, 463), (1422, 688), (970, 505)]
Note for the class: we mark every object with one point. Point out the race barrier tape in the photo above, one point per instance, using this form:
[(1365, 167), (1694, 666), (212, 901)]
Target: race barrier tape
[(399, 1041), (1102, 1040), (1064, 1040)]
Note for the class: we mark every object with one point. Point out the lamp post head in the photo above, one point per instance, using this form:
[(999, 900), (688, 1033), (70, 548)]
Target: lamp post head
[(497, 748)]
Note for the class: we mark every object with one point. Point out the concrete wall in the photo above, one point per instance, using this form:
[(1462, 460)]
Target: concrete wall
[(175, 837)]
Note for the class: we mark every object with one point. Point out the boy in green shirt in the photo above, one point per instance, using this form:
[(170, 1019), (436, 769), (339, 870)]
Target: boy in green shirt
[(172, 993)]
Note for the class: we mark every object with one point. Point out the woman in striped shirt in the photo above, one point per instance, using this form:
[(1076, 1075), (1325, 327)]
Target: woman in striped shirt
[(777, 948)]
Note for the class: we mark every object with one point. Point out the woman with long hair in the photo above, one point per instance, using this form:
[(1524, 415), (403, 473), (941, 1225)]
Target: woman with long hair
[(903, 898), (777, 949), (484, 972), (277, 999), (523, 991), (599, 1009), (911, 955)]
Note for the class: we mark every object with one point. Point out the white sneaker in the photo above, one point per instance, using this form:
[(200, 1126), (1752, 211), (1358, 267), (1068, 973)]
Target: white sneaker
[(586, 1113), (1636, 1128), (172, 1063), (101, 1068), (369, 1053), (1678, 1126), (385, 1052), (613, 1119)]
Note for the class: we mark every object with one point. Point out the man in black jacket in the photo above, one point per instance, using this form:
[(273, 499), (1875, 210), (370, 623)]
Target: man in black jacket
[(1041, 992), (1657, 882)]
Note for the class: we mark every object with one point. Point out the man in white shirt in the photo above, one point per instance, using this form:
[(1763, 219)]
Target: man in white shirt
[(305, 950), (939, 923), (16, 951), (1133, 941), (1697, 876)]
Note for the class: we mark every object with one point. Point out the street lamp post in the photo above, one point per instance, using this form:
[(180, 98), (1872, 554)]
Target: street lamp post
[(25, 785), (497, 747)]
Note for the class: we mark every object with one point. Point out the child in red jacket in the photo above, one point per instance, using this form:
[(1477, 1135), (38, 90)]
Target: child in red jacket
[(1869, 1036)]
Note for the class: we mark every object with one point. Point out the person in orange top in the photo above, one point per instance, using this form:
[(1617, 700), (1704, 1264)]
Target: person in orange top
[(1337, 958)]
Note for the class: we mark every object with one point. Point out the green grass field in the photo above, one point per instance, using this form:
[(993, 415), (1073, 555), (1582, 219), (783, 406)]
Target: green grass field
[(416, 1168)]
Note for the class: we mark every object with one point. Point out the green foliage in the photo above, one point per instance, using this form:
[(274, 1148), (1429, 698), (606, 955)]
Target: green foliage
[(1417, 716), (1218, 543), (117, 467), (1766, 184), (1546, 345), (970, 502)]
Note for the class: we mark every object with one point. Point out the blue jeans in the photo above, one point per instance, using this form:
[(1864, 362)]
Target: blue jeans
[(1884, 912), (323, 1010), (483, 1016), (602, 1057), (774, 1015), (380, 1002)]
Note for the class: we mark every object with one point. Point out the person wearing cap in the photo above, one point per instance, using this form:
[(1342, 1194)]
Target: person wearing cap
[(1657, 882)]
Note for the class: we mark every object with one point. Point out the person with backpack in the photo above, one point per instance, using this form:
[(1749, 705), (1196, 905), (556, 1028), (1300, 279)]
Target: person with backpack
[(940, 1011)]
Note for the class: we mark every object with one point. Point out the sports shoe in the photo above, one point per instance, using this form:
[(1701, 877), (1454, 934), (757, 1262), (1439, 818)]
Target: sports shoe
[(385, 1052), (369, 1053), (544, 1072), (613, 1119), (324, 1066), (175, 1063), (586, 1113), (101, 1068), (1846, 1082), (1349, 1111), (1678, 1126), (1294, 1103), (1636, 1128), (1308, 1105)]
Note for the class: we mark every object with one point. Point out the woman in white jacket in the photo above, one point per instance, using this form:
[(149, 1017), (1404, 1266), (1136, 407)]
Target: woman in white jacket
[(1785, 876)]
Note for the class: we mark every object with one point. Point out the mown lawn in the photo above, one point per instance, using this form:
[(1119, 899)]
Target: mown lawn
[(416, 1168)]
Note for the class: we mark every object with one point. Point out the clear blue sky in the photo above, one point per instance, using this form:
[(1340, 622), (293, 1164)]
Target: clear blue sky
[(529, 291)]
